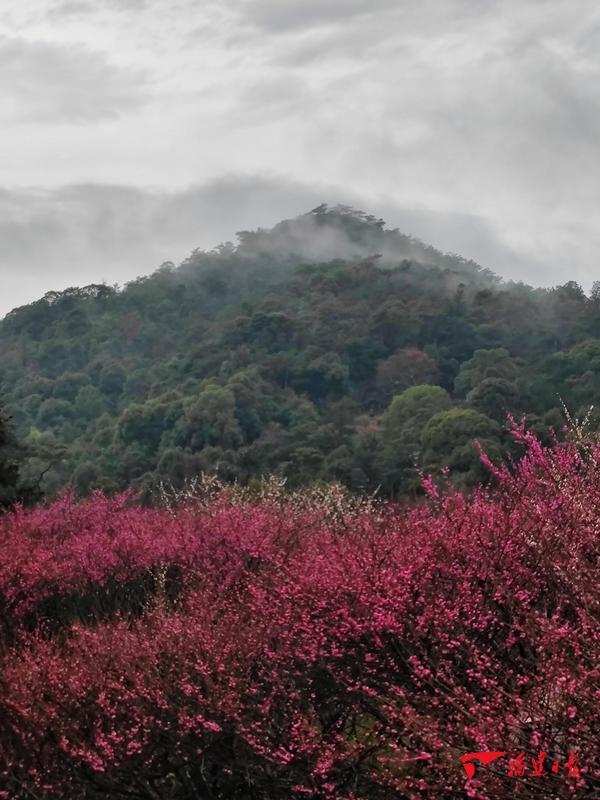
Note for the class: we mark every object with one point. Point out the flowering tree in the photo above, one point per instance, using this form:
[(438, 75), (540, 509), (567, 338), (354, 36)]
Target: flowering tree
[(314, 647)]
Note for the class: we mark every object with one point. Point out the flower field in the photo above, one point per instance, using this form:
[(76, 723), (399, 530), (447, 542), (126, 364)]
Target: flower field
[(310, 646)]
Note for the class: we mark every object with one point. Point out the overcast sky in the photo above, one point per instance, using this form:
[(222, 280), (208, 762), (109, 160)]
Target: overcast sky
[(132, 131)]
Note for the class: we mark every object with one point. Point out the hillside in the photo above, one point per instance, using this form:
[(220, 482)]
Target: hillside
[(327, 348)]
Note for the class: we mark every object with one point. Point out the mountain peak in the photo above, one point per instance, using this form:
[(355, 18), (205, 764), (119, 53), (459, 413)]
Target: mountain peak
[(341, 232)]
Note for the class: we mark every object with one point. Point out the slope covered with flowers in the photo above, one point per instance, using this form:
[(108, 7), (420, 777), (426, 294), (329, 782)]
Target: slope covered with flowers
[(309, 647)]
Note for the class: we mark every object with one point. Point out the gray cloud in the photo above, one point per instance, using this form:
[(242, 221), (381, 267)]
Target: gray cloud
[(71, 8), (75, 8), (43, 82), (290, 16)]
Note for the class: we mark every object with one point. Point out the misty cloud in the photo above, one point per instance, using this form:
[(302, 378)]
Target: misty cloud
[(83, 234)]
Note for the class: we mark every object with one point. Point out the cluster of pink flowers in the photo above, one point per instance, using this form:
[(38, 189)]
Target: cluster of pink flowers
[(264, 650)]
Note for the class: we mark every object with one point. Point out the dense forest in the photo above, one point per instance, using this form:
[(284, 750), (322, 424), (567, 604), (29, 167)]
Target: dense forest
[(329, 348)]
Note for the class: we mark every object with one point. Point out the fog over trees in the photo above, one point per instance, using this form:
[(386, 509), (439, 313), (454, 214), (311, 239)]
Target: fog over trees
[(329, 348)]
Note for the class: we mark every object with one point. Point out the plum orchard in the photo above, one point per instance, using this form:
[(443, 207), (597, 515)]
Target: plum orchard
[(305, 648)]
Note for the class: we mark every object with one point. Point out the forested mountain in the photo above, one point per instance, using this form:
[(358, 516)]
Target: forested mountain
[(329, 347)]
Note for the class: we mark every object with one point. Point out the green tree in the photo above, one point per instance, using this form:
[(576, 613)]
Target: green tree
[(111, 380), (496, 363), (13, 457), (145, 423), (90, 403), (68, 385), (54, 413), (210, 420), (9, 465), (401, 428), (407, 367), (494, 397), (413, 408), (449, 440), (85, 477)]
